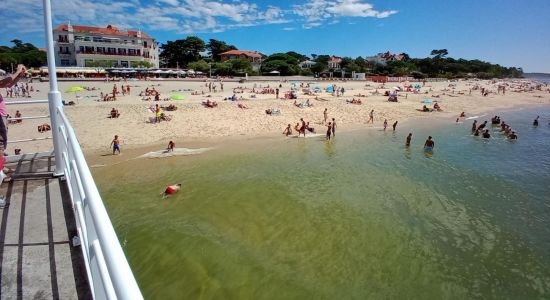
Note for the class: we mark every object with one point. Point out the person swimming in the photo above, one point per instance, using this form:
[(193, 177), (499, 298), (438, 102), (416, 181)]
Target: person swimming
[(409, 137), (536, 121), (513, 136), (486, 134), (172, 189)]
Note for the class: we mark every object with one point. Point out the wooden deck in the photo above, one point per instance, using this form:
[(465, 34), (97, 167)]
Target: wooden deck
[(37, 258)]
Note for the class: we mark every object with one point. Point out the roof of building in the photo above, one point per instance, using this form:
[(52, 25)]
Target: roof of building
[(109, 30), (242, 52), (335, 59)]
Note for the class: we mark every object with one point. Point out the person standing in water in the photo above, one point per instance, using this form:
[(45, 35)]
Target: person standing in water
[(536, 121), (115, 143), (171, 146), (394, 125), (409, 138), (429, 144), (329, 130), (385, 123), (371, 117), (333, 127), (474, 126)]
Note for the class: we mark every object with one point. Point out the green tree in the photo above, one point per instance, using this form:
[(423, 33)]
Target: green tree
[(319, 67), (215, 48), (21, 53), (441, 53), (298, 56), (240, 66), (361, 63), (181, 52), (223, 68), (200, 65), (283, 62)]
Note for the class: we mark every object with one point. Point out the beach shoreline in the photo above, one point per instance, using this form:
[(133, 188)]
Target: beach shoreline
[(194, 125)]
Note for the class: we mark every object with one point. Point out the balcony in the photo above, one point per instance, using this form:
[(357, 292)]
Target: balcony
[(113, 54)]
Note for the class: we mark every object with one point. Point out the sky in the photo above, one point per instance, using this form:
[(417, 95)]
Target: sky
[(507, 32)]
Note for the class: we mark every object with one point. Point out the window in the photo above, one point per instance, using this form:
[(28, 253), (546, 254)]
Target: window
[(81, 48), (131, 51), (145, 44), (124, 64), (65, 62), (111, 50)]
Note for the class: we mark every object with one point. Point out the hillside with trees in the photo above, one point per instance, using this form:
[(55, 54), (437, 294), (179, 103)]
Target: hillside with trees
[(21, 53)]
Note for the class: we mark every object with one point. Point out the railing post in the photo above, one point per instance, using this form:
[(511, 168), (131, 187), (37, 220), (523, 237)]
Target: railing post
[(54, 97)]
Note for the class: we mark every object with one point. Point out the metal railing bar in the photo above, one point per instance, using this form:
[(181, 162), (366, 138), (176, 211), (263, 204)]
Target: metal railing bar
[(26, 102), (27, 118), (30, 140)]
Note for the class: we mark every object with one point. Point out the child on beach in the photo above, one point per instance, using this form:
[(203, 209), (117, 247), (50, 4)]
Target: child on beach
[(171, 146), (115, 143), (385, 123), (288, 130)]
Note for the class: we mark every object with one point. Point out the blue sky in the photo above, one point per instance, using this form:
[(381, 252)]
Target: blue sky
[(511, 33)]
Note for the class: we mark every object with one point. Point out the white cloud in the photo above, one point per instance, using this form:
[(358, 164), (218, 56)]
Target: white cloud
[(315, 11), (180, 16)]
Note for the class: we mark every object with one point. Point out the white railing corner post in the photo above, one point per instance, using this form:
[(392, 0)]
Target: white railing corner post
[(54, 97)]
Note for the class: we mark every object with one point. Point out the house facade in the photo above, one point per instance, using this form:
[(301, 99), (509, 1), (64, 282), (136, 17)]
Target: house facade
[(307, 64), (85, 46), (254, 57), (334, 63), (384, 58)]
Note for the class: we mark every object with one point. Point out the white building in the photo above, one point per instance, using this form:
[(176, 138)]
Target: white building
[(80, 46), (307, 64)]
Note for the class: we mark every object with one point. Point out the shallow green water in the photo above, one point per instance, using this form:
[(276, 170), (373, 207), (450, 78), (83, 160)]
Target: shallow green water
[(361, 217)]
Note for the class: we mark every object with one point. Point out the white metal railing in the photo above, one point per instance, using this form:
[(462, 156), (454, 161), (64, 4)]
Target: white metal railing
[(108, 270)]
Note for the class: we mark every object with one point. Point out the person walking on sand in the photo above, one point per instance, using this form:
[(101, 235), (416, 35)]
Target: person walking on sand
[(409, 138), (277, 93), (325, 115), (385, 124), (371, 117), (329, 130), (115, 143), (333, 127), (394, 125), (8, 82)]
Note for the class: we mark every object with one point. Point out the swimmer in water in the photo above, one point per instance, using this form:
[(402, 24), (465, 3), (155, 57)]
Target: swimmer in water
[(172, 189), (486, 134), (409, 137), (474, 126), (536, 121), (513, 136)]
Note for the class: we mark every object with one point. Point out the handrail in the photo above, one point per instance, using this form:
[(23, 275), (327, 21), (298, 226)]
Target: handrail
[(26, 102), (98, 227)]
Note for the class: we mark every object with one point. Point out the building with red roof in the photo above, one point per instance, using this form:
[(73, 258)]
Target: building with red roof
[(86, 46), (254, 57)]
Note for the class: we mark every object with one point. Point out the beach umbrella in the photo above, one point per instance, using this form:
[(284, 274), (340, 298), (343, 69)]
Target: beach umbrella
[(396, 88), (177, 97), (2, 72), (75, 90)]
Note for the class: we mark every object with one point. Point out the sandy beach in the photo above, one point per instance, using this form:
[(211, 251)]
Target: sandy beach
[(193, 122)]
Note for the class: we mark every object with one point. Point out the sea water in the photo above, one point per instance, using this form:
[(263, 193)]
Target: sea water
[(359, 217)]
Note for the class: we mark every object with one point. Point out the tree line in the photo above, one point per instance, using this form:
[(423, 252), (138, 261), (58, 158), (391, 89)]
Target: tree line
[(194, 53), (21, 53)]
